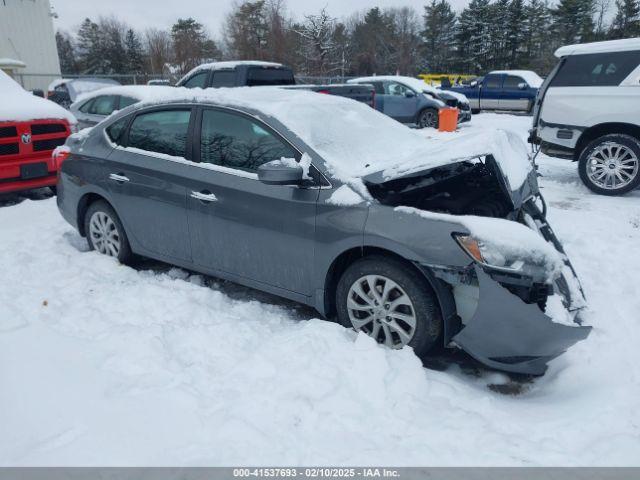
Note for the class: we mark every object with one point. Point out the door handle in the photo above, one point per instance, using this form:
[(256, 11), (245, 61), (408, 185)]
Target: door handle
[(118, 177), (204, 196)]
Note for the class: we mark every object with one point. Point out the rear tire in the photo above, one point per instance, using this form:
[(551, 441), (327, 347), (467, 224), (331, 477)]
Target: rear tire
[(403, 310), (428, 118), (610, 165), (105, 232)]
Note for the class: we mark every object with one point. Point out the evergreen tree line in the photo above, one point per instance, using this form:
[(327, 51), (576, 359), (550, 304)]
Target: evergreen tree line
[(486, 35)]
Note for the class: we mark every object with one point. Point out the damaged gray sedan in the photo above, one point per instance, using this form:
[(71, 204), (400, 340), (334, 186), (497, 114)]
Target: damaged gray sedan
[(415, 241)]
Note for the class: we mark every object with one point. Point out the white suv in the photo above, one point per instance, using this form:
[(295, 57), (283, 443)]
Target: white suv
[(588, 110)]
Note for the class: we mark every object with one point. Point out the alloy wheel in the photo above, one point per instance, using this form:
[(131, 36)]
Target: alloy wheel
[(104, 234), (612, 166), (379, 307), (428, 119)]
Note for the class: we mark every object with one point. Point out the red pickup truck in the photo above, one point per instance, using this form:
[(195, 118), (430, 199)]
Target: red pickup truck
[(30, 129)]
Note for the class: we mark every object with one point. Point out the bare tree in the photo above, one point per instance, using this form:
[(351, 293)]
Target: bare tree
[(159, 48), (317, 34)]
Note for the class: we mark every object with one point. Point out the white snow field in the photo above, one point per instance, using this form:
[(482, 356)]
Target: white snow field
[(102, 364)]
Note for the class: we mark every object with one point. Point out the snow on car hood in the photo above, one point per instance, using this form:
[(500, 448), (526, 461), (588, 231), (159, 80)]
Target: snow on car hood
[(16, 104), (356, 140)]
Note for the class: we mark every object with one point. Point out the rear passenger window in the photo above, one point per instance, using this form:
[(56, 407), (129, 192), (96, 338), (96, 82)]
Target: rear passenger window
[(126, 101), (161, 132), (114, 131), (224, 78), (103, 105), (492, 82), (513, 83), (596, 69), (197, 81), (86, 106), (234, 141)]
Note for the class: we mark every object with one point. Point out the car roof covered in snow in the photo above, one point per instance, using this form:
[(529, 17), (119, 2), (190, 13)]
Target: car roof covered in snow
[(354, 139), (138, 92), (623, 45), (532, 78), (16, 104)]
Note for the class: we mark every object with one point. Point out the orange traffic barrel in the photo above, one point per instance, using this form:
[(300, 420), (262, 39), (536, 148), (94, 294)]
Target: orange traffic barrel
[(448, 119)]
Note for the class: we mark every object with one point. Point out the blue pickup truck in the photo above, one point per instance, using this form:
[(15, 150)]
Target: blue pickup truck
[(506, 90)]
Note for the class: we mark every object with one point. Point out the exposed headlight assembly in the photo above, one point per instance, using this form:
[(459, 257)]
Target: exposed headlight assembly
[(484, 255)]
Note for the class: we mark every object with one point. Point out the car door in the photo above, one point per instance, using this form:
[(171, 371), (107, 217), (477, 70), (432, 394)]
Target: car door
[(515, 94), (491, 91), (239, 225), (400, 102), (146, 172)]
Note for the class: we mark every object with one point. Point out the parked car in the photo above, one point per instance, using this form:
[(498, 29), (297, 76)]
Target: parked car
[(587, 111), (507, 90), (410, 100), (66, 92), (91, 108), (30, 129), (330, 203), (251, 73)]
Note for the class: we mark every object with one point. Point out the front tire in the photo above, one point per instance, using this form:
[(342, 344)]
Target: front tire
[(428, 118), (105, 232), (610, 165), (391, 303)]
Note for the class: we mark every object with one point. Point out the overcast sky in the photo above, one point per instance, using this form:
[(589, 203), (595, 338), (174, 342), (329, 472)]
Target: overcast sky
[(162, 14)]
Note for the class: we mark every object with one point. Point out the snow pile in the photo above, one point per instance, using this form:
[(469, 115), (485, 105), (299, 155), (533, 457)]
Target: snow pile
[(356, 140), (532, 78), (78, 87), (18, 105), (503, 241), (344, 196)]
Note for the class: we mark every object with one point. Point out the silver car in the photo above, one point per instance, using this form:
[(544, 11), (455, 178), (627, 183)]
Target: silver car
[(330, 203)]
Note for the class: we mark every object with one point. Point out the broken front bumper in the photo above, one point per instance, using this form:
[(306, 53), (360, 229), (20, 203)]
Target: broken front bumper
[(509, 331)]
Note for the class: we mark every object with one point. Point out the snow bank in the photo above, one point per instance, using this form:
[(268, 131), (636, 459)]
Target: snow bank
[(16, 104), (505, 241), (356, 140)]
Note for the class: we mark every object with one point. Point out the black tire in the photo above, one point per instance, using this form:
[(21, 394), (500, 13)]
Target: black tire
[(475, 111), (124, 254), (585, 170), (54, 190), (428, 328), (428, 118)]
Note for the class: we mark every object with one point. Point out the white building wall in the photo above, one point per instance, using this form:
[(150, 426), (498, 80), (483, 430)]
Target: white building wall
[(26, 34)]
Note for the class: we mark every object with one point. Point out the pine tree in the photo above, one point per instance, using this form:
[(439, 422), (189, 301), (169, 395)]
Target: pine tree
[(536, 45), (474, 36), (89, 49), (191, 44), (66, 53), (134, 52), (438, 36), (627, 20), (573, 21), (515, 33)]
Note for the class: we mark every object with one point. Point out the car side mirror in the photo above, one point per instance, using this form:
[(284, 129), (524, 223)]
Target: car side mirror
[(522, 85), (473, 84), (409, 94), (278, 173)]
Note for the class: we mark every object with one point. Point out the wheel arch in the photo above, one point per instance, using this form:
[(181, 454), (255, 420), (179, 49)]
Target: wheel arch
[(442, 290), (601, 129), (422, 109), (83, 205)]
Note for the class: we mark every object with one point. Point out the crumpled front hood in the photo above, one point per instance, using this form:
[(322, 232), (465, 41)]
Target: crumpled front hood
[(507, 149)]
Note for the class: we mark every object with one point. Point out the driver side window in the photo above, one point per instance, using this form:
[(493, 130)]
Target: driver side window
[(396, 89)]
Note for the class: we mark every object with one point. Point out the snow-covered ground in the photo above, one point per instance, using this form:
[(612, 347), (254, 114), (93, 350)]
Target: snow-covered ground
[(102, 364)]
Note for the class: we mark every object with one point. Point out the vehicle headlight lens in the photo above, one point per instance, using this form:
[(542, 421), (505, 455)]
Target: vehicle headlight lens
[(481, 253)]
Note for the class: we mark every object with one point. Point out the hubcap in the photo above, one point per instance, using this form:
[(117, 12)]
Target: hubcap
[(379, 307), (104, 234), (612, 166), (428, 119)]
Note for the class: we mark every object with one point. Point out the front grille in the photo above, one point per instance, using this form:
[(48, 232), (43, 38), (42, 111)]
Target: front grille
[(6, 132), (44, 128), (9, 149), (463, 106), (41, 145)]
